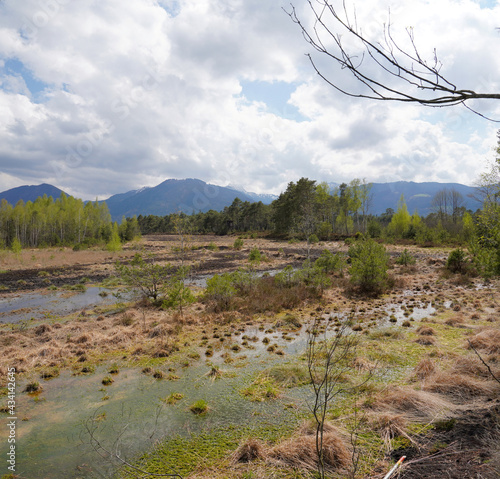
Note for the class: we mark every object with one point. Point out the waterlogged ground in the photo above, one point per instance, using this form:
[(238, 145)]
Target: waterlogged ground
[(54, 434), (225, 360), (51, 304)]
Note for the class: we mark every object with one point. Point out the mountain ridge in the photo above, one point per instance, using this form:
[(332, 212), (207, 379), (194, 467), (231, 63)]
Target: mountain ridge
[(192, 195)]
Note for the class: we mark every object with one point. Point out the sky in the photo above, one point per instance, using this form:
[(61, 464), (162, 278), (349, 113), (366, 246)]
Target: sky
[(99, 97)]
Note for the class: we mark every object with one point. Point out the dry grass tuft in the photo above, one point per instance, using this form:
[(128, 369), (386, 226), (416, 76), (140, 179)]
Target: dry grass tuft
[(458, 386), (472, 366), (42, 329), (300, 451), (415, 404), (389, 426), (424, 368), (426, 331), (251, 450), (426, 341), (363, 364), (456, 321), (487, 341)]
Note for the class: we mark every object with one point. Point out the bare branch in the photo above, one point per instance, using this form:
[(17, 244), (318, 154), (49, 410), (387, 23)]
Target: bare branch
[(484, 362), (113, 453), (409, 77)]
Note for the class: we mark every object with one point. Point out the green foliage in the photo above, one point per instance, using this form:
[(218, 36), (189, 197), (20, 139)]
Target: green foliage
[(313, 239), (129, 229), (212, 246), (374, 229), (114, 243), (325, 229), (199, 407), (312, 276), (66, 220), (400, 221), (331, 263), (255, 255), (177, 294), (286, 278), (369, 263), (245, 281), (457, 261), (406, 258), (147, 276), (220, 291), (238, 244), (16, 246)]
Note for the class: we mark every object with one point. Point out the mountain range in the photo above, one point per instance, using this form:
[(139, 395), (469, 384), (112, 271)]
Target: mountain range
[(192, 196)]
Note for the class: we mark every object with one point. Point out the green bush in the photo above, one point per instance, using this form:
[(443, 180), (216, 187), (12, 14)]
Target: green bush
[(16, 246), (331, 263), (457, 261), (374, 229), (147, 276), (313, 277), (313, 239), (286, 278), (238, 244), (244, 281), (406, 258), (220, 291), (178, 295), (369, 263), (255, 255), (212, 246)]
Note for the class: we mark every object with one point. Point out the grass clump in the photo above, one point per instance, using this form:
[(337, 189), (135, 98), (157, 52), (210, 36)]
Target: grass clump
[(50, 373), (173, 398), (262, 388), (199, 407), (33, 387), (107, 380), (289, 375)]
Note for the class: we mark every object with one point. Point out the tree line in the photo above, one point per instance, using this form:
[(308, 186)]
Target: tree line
[(49, 222), (307, 208)]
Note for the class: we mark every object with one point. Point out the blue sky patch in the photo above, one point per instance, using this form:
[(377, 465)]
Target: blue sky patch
[(487, 3), (16, 68), (172, 7), (275, 95)]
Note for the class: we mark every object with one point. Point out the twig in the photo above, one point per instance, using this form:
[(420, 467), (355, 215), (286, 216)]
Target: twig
[(484, 362)]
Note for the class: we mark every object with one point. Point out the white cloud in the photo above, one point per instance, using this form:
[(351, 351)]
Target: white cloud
[(137, 92)]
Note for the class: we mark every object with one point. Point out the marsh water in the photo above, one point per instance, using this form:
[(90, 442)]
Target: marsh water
[(54, 429), (25, 306)]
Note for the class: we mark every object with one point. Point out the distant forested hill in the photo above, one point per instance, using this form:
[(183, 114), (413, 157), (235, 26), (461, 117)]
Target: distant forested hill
[(30, 193)]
